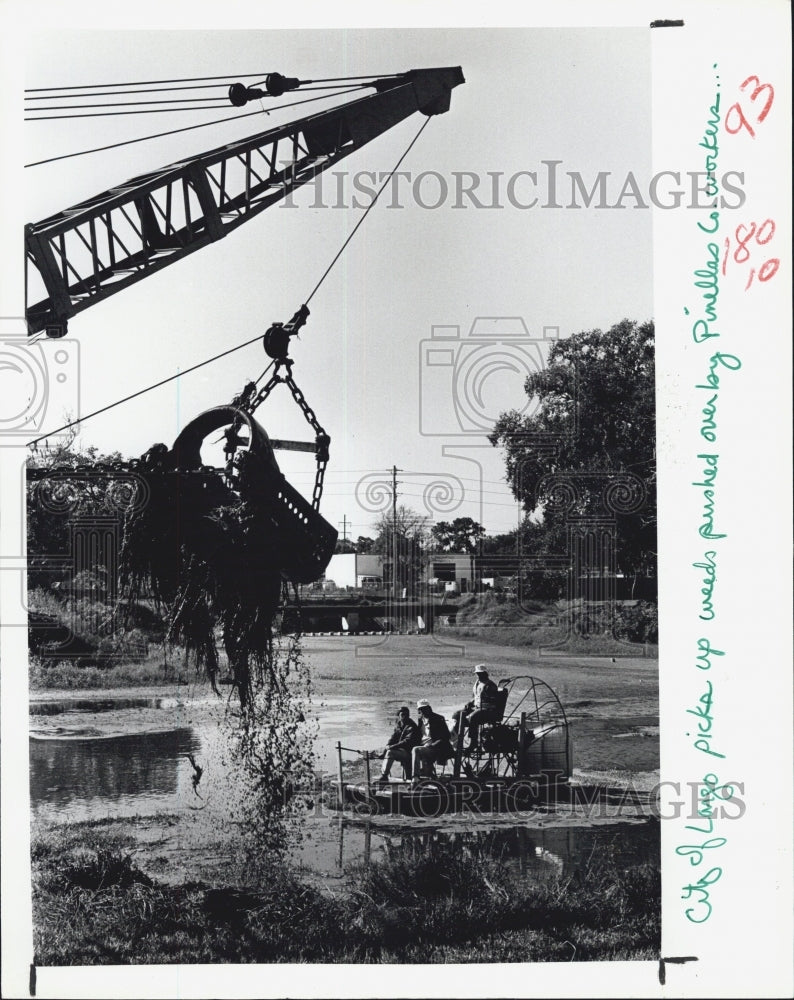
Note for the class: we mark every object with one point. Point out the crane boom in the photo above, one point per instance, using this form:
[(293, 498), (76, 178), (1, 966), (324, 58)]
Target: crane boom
[(111, 241)]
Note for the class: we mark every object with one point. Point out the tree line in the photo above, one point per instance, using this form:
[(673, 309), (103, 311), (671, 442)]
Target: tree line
[(581, 454), (588, 428)]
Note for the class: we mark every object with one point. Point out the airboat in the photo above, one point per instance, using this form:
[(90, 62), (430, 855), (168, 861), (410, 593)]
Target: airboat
[(524, 757)]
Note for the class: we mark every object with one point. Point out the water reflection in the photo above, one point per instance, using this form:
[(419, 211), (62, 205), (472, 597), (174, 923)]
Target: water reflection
[(110, 768), (97, 770), (532, 853)]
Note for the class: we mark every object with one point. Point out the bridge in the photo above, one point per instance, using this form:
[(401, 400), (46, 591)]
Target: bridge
[(365, 616)]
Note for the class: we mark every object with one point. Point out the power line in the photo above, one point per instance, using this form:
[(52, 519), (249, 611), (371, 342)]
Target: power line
[(471, 479), (348, 482), (394, 471), (187, 128), (476, 499)]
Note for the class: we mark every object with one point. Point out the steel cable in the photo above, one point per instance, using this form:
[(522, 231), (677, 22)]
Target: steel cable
[(187, 128)]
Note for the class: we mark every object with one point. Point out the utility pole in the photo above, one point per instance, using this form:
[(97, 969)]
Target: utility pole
[(394, 471), (343, 523)]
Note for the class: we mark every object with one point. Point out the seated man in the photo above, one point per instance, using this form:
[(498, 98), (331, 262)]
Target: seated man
[(401, 742), (483, 708), (435, 747)]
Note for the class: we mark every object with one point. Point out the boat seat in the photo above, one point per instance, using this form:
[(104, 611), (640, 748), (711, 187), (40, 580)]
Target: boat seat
[(501, 705)]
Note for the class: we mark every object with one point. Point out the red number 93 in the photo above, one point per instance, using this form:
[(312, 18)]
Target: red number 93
[(740, 120)]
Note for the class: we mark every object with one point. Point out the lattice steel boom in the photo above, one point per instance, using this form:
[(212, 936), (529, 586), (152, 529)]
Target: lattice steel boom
[(111, 241)]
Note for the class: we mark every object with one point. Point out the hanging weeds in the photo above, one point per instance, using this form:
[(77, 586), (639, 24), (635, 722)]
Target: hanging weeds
[(213, 562), (272, 753)]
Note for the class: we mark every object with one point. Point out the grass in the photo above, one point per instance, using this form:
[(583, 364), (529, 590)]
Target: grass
[(155, 670), (93, 905), (547, 638)]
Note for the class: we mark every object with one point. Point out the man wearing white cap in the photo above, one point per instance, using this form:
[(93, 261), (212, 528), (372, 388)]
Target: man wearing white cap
[(435, 747), (484, 706)]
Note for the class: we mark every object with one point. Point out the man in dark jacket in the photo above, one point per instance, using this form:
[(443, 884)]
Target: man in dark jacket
[(401, 742), (484, 706), (435, 747)]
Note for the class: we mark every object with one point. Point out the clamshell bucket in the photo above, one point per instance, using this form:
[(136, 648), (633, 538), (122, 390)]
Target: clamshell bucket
[(305, 540)]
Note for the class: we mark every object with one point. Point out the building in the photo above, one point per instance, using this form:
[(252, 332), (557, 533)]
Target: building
[(355, 569), (452, 570)]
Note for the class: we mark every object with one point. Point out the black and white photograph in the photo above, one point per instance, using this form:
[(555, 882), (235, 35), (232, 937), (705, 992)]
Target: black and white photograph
[(372, 586)]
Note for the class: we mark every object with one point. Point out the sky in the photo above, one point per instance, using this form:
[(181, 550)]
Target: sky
[(509, 278)]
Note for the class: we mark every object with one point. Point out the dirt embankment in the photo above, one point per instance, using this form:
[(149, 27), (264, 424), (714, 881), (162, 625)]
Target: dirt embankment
[(623, 628)]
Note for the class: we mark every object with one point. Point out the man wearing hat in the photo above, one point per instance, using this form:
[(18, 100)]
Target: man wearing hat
[(435, 747), (484, 707), (401, 742)]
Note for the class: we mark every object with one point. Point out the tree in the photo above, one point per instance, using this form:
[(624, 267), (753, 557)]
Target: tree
[(405, 536), (461, 535), (365, 544), (500, 545), (594, 420), (54, 504)]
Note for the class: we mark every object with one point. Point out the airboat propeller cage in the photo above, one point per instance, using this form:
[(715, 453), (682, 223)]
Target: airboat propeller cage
[(302, 530)]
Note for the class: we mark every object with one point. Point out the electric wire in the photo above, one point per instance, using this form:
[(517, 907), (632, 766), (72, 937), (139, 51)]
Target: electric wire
[(367, 210), (187, 128)]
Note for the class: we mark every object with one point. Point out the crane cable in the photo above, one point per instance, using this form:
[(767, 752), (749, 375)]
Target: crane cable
[(231, 350), (138, 83), (121, 93), (152, 111), (186, 128), (165, 100), (366, 211), (140, 392), (201, 79)]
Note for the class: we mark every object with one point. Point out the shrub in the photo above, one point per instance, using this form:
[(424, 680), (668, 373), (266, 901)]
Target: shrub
[(638, 622), (92, 905), (82, 629)]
